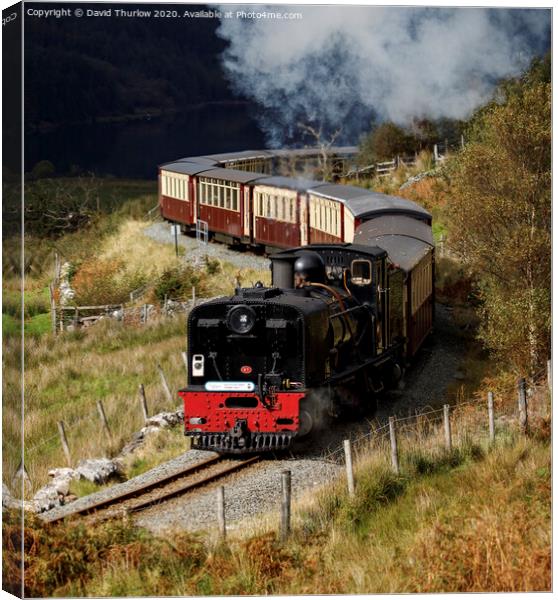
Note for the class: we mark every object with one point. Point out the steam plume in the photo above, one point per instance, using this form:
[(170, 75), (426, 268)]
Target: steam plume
[(338, 66)]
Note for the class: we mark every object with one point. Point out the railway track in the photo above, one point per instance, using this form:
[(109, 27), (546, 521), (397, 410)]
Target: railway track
[(176, 484)]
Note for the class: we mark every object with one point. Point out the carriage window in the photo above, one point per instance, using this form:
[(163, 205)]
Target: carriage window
[(361, 272)]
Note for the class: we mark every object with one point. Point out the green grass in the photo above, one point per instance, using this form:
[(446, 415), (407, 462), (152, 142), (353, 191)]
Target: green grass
[(84, 487), (65, 378), (11, 326), (439, 230), (38, 324)]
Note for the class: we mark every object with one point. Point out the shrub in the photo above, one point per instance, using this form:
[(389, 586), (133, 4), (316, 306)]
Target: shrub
[(96, 282), (177, 283), (42, 170)]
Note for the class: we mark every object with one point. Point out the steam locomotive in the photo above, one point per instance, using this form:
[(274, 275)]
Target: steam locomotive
[(272, 364)]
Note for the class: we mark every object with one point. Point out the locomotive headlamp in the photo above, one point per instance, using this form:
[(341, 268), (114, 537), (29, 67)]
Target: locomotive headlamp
[(241, 319)]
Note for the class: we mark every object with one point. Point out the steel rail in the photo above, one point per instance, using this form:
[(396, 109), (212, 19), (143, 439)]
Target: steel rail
[(140, 490), (105, 505), (183, 489)]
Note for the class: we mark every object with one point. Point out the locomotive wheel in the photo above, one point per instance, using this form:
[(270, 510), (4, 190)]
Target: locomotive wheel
[(306, 423), (314, 412)]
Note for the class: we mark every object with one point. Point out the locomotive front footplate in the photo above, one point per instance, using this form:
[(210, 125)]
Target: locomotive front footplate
[(240, 422), (252, 442)]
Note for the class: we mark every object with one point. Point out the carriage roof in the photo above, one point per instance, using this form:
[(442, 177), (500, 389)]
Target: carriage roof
[(366, 203)]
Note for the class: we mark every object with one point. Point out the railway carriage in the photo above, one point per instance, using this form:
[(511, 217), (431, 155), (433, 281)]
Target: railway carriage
[(410, 246), (280, 213), (177, 193), (225, 203), (255, 161)]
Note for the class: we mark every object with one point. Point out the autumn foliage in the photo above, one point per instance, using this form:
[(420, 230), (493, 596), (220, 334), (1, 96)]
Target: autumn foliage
[(500, 217)]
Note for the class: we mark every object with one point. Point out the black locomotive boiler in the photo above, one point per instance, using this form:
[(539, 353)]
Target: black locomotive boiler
[(268, 365)]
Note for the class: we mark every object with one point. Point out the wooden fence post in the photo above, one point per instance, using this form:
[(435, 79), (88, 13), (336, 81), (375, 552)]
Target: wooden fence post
[(522, 398), (185, 360), (143, 402), (193, 296), (221, 512), (491, 428), (52, 307), (349, 467), (549, 376), (447, 427), (285, 504), (103, 417), (57, 268), (64, 441), (165, 384), (393, 442), (21, 473)]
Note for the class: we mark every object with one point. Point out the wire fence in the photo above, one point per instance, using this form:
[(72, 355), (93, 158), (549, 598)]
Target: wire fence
[(425, 422), (421, 425), (92, 414), (69, 318), (440, 152)]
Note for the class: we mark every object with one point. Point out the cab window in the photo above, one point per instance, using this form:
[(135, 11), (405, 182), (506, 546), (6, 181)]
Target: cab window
[(361, 272)]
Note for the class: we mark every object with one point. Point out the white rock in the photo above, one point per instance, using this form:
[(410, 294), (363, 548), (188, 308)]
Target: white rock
[(46, 498), (97, 470), (64, 472), (145, 431), (8, 501), (166, 419)]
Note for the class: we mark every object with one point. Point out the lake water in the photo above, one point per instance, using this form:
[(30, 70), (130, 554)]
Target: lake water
[(134, 149)]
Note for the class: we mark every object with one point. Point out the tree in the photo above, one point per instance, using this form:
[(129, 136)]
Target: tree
[(54, 207), (500, 212), (324, 146), (384, 143), (43, 170)]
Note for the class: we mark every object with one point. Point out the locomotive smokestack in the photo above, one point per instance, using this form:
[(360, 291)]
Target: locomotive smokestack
[(283, 272)]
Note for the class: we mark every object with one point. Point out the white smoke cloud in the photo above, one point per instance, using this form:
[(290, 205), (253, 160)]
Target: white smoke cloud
[(340, 64)]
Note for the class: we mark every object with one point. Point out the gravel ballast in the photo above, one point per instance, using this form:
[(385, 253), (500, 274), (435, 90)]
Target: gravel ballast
[(196, 251), (248, 493)]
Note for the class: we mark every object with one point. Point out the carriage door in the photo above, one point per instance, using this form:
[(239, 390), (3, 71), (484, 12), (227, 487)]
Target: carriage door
[(382, 292), (246, 211), (303, 218), (194, 199), (190, 199)]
